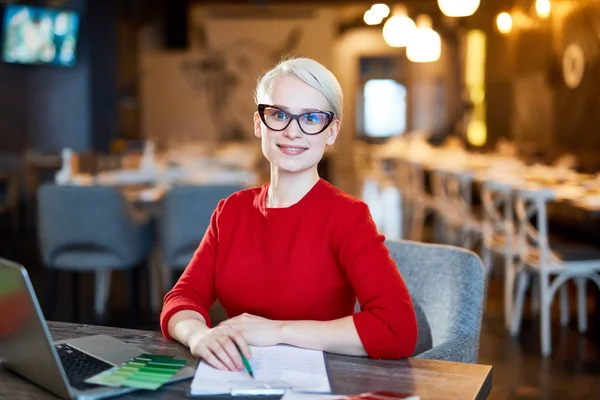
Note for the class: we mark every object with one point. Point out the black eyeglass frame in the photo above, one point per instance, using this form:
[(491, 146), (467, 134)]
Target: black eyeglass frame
[(261, 112)]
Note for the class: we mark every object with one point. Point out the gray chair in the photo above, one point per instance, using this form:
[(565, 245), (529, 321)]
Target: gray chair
[(446, 284), (91, 229), (185, 217)]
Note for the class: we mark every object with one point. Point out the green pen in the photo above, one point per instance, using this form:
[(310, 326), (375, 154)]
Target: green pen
[(246, 362)]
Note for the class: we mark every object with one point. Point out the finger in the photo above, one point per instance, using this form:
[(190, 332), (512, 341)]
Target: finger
[(207, 355), (233, 353), (220, 350), (241, 342)]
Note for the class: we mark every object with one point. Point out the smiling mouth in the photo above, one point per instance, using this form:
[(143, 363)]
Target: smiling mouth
[(291, 150)]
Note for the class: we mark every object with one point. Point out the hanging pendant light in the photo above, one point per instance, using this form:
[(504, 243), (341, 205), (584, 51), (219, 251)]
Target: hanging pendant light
[(382, 10), (458, 8), (504, 23), (543, 8), (371, 18), (426, 45), (399, 28)]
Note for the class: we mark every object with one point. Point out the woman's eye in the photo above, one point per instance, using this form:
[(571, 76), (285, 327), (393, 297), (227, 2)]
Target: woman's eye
[(312, 118), (280, 115)]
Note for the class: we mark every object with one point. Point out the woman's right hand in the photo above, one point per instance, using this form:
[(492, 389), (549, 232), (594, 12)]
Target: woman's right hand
[(217, 346)]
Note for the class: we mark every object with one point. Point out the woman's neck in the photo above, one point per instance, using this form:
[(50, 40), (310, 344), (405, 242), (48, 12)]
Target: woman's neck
[(287, 189)]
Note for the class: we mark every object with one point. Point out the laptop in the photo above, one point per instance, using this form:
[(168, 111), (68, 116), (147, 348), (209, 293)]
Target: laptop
[(61, 367)]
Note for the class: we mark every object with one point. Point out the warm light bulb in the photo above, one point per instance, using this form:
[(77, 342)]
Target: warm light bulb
[(458, 8), (398, 29), (504, 22), (476, 133), (426, 44), (543, 8), (371, 18), (381, 9)]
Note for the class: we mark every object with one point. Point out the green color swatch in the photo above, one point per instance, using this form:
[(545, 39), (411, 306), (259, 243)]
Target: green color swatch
[(147, 371)]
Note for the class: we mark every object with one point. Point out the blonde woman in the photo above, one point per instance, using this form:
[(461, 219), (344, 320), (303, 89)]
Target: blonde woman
[(288, 259)]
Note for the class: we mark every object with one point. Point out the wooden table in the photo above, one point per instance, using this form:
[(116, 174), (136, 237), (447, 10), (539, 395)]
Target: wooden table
[(348, 375)]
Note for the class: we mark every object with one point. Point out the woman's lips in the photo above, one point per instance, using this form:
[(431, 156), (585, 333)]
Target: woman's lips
[(291, 150)]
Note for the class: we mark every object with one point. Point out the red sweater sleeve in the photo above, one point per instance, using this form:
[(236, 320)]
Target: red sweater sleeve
[(386, 324), (195, 290)]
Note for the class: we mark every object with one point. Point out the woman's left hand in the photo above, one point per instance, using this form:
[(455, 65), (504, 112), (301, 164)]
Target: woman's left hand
[(258, 331)]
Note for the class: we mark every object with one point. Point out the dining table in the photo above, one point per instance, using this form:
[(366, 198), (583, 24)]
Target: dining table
[(427, 379)]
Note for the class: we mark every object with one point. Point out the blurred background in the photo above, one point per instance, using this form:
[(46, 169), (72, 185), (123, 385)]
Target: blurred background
[(471, 123)]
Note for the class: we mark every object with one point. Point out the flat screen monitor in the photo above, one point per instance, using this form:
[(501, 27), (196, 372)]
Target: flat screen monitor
[(41, 36)]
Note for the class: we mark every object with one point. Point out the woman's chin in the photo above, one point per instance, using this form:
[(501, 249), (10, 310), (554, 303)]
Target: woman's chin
[(293, 168)]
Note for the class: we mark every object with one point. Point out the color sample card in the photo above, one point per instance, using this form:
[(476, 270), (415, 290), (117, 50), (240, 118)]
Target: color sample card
[(148, 371)]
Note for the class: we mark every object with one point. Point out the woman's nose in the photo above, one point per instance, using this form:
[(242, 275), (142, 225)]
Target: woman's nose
[(293, 130)]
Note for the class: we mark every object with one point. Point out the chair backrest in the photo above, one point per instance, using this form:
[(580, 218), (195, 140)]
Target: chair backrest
[(445, 188), (186, 216), (83, 217), (446, 284), (403, 179), (533, 239), (459, 190), (498, 214)]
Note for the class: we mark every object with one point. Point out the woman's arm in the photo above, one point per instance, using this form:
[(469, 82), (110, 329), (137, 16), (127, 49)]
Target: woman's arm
[(183, 324), (185, 312), (337, 336), (386, 323), (194, 292)]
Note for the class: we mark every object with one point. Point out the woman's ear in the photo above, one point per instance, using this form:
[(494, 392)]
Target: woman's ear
[(333, 131), (257, 123)]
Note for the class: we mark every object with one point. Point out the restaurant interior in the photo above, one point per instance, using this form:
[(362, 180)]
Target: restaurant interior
[(466, 123)]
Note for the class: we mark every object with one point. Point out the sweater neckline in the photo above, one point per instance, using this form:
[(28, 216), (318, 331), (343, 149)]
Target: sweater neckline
[(273, 211)]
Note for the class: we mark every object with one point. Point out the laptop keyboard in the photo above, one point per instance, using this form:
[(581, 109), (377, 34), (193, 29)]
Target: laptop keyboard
[(79, 366)]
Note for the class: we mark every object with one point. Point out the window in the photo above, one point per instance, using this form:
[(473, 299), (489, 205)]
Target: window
[(384, 112)]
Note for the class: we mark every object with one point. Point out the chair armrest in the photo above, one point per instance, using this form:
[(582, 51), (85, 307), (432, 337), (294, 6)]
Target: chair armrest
[(463, 348)]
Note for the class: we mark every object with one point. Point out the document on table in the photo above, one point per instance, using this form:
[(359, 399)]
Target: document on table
[(277, 369)]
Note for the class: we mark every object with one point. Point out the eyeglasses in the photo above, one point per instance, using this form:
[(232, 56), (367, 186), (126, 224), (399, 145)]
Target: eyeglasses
[(311, 123)]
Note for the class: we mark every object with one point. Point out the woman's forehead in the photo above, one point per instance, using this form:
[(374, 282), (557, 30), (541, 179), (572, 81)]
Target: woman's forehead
[(296, 96)]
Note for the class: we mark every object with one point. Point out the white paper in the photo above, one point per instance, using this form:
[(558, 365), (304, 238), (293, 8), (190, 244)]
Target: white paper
[(274, 367)]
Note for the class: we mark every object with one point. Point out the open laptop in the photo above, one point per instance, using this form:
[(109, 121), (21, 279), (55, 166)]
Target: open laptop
[(26, 346)]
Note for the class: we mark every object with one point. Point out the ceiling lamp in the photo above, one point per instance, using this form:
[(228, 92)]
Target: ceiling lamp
[(458, 8), (543, 8), (426, 45), (381, 9), (372, 18), (504, 23), (399, 28)]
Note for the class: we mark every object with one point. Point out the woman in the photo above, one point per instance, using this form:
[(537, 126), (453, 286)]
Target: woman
[(289, 259)]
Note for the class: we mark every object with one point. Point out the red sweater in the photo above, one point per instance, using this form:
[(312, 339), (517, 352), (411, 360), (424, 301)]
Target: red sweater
[(309, 261)]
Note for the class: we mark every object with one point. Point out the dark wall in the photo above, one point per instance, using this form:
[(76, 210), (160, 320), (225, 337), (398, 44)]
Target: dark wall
[(102, 31), (547, 118), (576, 115), (48, 108), (13, 108), (498, 74)]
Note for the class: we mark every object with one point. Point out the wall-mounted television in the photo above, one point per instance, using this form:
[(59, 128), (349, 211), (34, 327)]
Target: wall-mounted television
[(41, 36)]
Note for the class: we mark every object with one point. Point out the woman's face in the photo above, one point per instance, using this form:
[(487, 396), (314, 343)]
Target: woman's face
[(291, 150)]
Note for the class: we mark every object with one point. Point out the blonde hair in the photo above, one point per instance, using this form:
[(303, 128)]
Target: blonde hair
[(310, 72)]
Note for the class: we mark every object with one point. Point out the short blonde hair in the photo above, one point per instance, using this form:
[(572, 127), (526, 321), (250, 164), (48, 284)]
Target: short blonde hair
[(310, 72)]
